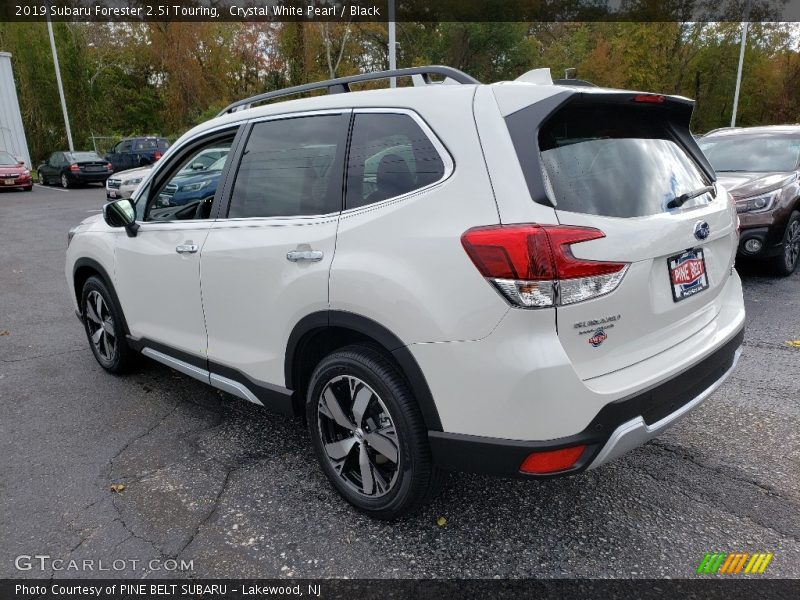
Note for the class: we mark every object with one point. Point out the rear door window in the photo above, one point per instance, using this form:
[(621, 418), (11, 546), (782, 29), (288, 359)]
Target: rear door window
[(389, 156), (291, 167), (615, 161)]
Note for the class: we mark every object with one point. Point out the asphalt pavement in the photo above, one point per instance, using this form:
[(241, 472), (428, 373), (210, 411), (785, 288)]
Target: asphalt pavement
[(235, 491)]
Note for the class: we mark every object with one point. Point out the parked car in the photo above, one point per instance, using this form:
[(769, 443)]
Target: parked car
[(521, 279), (14, 173), (73, 168), (195, 187), (760, 168), (124, 183), (131, 153)]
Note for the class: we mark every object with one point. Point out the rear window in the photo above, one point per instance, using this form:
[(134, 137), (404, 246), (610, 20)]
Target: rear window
[(83, 156), (151, 144), (616, 162)]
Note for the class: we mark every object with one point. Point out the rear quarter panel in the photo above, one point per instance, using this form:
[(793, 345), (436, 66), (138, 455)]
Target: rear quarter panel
[(400, 262)]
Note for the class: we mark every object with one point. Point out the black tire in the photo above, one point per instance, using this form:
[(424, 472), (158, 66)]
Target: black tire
[(786, 262), (110, 349), (42, 178), (65, 183), (399, 487), (28, 189)]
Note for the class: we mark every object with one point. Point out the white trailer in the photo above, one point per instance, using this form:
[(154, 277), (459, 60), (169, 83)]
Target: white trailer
[(12, 133)]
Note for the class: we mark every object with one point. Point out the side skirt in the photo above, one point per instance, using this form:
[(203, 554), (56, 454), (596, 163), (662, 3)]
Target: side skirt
[(275, 398)]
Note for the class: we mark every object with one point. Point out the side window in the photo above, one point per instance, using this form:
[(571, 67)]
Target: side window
[(290, 167), (53, 161), (390, 155), (188, 193), (124, 146)]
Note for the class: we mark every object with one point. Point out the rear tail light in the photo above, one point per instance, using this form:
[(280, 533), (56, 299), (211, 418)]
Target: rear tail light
[(533, 265), (552, 461), (157, 155), (74, 167), (109, 166), (649, 98)]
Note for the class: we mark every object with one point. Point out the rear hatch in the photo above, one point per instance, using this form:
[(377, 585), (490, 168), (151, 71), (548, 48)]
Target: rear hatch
[(625, 164)]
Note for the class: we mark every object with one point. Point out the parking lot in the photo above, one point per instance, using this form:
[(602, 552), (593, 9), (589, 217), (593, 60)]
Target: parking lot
[(219, 482)]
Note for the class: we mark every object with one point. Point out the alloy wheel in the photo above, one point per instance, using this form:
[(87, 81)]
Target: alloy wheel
[(358, 436), (792, 245), (100, 324), (64, 181)]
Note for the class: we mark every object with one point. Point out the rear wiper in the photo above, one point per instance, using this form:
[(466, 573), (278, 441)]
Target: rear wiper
[(684, 198)]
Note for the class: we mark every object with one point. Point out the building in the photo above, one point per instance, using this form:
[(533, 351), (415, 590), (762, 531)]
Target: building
[(12, 133)]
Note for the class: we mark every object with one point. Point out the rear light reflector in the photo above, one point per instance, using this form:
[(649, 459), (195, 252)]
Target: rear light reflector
[(109, 166), (649, 98), (157, 155), (552, 461), (534, 267), (74, 167)]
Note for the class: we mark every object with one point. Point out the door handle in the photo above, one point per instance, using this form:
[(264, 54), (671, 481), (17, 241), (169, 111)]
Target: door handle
[(186, 248), (304, 255)]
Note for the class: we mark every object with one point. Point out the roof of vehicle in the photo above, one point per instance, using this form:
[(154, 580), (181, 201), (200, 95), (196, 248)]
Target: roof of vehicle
[(511, 95), (761, 129)]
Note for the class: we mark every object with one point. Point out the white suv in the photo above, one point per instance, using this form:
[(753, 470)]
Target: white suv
[(523, 279)]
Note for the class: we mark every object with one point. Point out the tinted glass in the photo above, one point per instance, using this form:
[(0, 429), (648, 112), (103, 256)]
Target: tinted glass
[(289, 169), (749, 152), (189, 194), (84, 157), (146, 144), (7, 160), (616, 162), (390, 155)]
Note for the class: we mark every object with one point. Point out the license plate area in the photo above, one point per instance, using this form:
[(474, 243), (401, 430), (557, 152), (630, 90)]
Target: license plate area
[(9, 182), (687, 274)]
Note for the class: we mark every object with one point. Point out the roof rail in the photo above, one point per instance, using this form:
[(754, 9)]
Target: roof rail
[(342, 84)]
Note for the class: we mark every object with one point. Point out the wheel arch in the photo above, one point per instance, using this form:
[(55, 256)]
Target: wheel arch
[(320, 333), (82, 270)]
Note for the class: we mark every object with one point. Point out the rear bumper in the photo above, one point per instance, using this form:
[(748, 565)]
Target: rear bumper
[(90, 177), (18, 182), (619, 427)]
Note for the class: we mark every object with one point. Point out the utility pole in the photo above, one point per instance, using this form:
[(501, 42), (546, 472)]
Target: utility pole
[(60, 86), (745, 25), (392, 43)]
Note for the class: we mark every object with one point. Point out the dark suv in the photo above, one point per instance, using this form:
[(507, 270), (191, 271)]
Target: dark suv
[(131, 153), (760, 168)]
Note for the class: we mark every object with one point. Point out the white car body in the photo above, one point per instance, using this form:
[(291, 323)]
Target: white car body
[(494, 381), (123, 184)]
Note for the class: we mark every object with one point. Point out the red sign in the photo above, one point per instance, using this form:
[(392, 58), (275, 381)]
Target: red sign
[(688, 271)]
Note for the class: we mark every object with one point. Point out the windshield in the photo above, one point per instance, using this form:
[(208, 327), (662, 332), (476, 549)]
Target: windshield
[(616, 162), (6, 160), (750, 152)]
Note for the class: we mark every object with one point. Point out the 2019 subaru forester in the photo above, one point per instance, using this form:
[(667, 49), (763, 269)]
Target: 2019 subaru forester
[(523, 279)]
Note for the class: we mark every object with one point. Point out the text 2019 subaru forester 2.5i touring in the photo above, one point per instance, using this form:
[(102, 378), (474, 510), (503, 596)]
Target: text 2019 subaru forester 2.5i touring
[(523, 279)]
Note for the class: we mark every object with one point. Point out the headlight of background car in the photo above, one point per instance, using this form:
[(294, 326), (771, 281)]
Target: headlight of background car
[(760, 203), (193, 187), (136, 181)]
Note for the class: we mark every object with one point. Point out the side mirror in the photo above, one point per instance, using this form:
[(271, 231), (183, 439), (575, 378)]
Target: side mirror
[(121, 213), (20, 162)]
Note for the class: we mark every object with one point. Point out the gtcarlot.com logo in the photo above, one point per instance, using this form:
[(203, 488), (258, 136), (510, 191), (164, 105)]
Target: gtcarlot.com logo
[(44, 562), (731, 563)]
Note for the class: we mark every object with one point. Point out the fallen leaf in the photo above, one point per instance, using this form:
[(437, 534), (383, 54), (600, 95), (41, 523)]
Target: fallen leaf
[(441, 521), (5, 332), (118, 487), (791, 343)]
